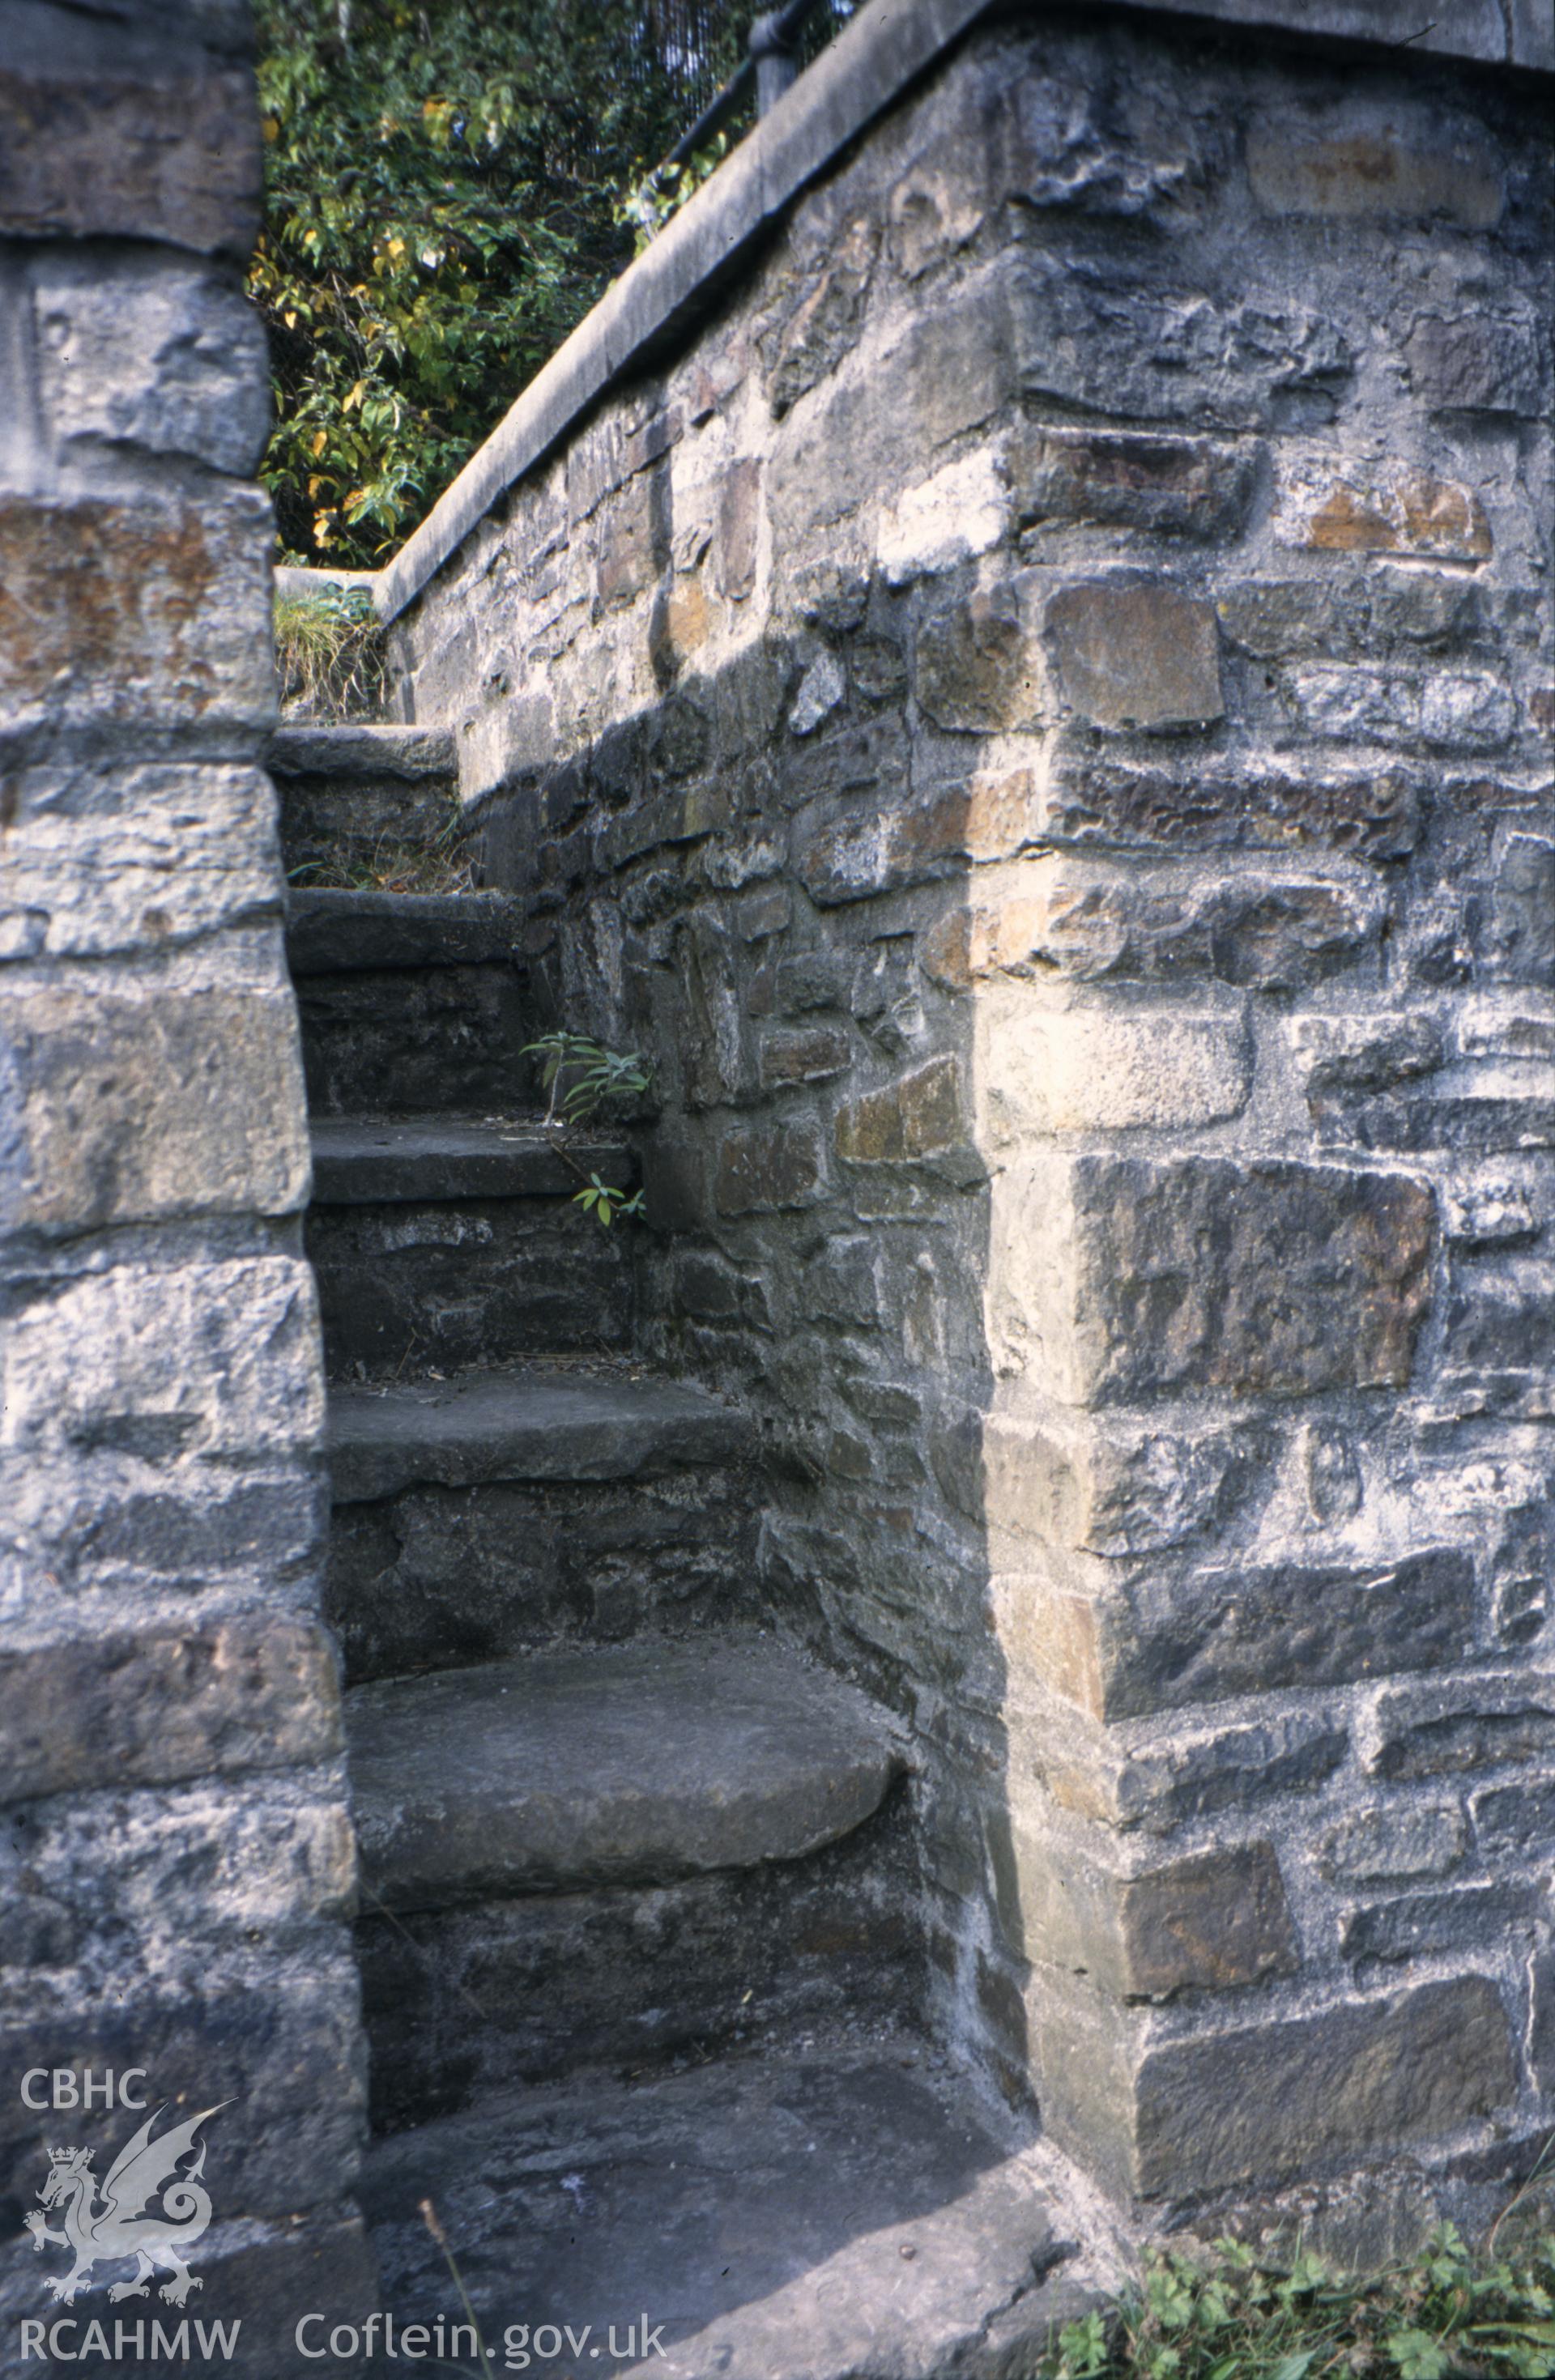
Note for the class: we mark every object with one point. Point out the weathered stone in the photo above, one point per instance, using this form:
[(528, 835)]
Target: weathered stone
[(1515, 1819), (1366, 2077), (808, 1057), (1523, 911), (1182, 487), (114, 860), (918, 1116), (1374, 816), (893, 845), (1425, 1923), (1281, 619), (251, 1691), (821, 688), (1330, 1474), (169, 360), (626, 540), (1477, 1723), (959, 512), (1082, 1070), (843, 1284), (167, 152), (638, 1766), (764, 1171), (1165, 353), (135, 1109), (1269, 1278), (739, 527), (1398, 510), (208, 1357), (976, 667), (128, 611), (1467, 712), (1141, 654), (1112, 1492), (1206, 1923), (1367, 160), (1387, 1844), (1500, 1316), (1249, 1631), (824, 327), (1195, 1775), (1365, 1053), (1089, 924), (1475, 363)]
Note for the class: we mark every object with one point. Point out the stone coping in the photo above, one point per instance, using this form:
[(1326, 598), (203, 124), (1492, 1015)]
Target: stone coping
[(869, 64)]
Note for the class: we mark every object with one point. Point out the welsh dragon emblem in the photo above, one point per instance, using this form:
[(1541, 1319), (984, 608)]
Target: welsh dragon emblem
[(100, 2232)]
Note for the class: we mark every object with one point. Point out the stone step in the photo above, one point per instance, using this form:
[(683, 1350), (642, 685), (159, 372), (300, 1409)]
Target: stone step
[(624, 1765), (501, 1510), (452, 1242), (362, 753), (839, 2211), (355, 800), (408, 1003), (607, 1855), (338, 932), (544, 1422), (383, 1160)]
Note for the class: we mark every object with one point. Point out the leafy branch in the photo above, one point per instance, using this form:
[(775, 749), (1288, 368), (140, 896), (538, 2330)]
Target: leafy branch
[(580, 1078)]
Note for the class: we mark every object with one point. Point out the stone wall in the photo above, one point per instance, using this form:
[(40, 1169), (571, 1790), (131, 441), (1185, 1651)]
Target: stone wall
[(1036, 715), (176, 1855)]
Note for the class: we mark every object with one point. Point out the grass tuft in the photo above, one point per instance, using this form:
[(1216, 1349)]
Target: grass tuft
[(329, 652)]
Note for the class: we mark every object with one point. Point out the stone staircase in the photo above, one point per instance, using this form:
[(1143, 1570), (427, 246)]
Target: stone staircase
[(641, 1969)]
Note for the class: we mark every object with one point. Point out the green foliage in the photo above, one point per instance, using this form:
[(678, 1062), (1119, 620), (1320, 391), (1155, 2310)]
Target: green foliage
[(446, 189), (329, 650), (582, 1076), (1225, 2316)]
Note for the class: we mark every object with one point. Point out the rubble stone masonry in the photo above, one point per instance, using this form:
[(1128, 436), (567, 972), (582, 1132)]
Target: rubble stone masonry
[(1037, 713), (176, 1855)]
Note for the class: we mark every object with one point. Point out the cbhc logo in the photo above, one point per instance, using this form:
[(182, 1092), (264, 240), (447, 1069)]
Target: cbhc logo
[(66, 2088)]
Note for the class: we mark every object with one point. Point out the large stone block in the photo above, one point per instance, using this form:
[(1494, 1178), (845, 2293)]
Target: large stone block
[(976, 665), (890, 846), (1114, 1489), (1449, 1727), (136, 614), (1244, 1632), (1162, 351), (1329, 2088), (254, 1690), (1127, 1277), (1072, 918), (1184, 1775), (130, 1109), (763, 1171), (1396, 509), (1207, 1923), (1426, 1924), (207, 1861), (130, 146), (1142, 654), (1127, 479), (1367, 158), (198, 1358), (1082, 1070), (107, 859), (1090, 801), (920, 1115), (170, 360), (1477, 363)]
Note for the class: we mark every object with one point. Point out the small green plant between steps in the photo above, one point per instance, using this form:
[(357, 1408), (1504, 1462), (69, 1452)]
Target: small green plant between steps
[(582, 1076), (1222, 2316)]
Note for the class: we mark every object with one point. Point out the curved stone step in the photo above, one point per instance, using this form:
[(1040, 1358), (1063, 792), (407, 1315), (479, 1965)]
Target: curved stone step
[(538, 1424), (622, 1764), (339, 933), (306, 751), (382, 1160)]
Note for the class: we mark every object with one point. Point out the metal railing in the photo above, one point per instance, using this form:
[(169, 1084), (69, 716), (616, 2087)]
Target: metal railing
[(771, 61)]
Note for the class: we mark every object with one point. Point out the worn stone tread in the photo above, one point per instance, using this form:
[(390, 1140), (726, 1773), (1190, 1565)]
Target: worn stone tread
[(362, 751), (538, 1424), (842, 2212), (383, 1160), (628, 1764), (334, 933)]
